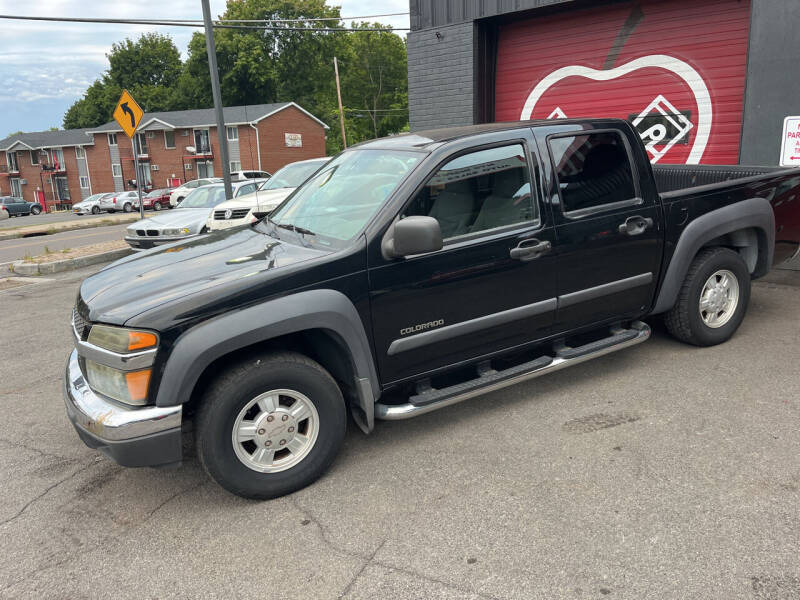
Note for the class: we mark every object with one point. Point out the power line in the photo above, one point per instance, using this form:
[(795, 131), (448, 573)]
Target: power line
[(300, 20), (175, 23)]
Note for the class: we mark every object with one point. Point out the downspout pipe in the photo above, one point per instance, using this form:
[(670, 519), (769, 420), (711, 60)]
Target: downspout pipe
[(258, 145)]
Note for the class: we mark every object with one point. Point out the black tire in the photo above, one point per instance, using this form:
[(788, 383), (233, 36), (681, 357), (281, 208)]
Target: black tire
[(35, 210), (127, 207), (95, 210), (156, 206), (685, 321), (238, 386)]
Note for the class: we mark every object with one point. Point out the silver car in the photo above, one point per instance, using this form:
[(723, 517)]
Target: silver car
[(119, 201), (91, 205), (187, 220)]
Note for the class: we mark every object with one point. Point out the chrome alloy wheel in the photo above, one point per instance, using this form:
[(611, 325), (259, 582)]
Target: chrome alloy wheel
[(719, 298), (275, 431)]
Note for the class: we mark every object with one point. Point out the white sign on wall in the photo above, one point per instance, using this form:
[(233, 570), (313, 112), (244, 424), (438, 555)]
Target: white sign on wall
[(294, 140), (790, 142)]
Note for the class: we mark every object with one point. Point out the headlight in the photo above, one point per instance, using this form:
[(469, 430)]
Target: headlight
[(121, 340), (175, 231), (129, 387)]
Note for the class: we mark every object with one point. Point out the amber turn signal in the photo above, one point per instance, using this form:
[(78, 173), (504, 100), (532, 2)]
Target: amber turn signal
[(137, 385), (139, 340)]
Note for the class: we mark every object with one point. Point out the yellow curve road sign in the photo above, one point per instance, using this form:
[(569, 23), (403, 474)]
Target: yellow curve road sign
[(128, 114)]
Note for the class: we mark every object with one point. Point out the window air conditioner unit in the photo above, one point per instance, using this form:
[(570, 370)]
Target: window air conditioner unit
[(154, 167), (185, 133), (23, 181), (151, 135), (187, 166)]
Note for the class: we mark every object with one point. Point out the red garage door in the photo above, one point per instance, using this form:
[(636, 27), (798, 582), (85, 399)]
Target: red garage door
[(674, 68)]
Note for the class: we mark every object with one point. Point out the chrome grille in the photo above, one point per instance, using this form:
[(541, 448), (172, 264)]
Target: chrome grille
[(80, 324), (236, 213)]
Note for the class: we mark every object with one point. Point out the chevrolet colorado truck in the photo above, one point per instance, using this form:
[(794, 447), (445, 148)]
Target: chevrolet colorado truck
[(408, 274)]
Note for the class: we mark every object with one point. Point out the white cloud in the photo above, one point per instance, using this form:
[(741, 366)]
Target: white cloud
[(50, 64)]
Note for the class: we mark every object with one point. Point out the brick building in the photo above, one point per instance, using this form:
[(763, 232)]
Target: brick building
[(76, 163)]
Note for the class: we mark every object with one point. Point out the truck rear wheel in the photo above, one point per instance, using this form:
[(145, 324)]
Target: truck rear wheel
[(713, 299), (270, 426)]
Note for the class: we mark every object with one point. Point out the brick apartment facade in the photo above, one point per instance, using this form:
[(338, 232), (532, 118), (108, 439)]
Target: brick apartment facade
[(74, 164)]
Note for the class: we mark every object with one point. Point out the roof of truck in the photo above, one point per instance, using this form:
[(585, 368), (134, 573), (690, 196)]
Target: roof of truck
[(419, 140)]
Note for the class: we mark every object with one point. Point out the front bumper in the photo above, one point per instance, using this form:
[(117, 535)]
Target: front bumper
[(143, 242), (214, 225), (147, 436)]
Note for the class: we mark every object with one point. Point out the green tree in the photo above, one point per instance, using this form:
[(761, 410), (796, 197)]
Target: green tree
[(148, 67)]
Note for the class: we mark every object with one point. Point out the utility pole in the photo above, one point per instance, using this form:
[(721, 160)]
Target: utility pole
[(139, 177), (339, 94), (215, 92)]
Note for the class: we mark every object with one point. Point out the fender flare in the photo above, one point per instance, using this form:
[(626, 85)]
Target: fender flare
[(324, 309), (755, 213)]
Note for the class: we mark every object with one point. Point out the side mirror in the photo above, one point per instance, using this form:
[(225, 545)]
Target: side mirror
[(412, 235)]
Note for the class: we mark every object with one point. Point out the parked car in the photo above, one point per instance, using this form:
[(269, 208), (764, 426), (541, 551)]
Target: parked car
[(242, 175), (180, 192), (409, 274), (90, 205), (17, 207), (155, 200), (187, 220), (3, 213), (119, 201), (248, 208)]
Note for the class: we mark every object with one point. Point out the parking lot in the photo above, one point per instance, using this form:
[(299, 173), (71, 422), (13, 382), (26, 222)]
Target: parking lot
[(660, 471)]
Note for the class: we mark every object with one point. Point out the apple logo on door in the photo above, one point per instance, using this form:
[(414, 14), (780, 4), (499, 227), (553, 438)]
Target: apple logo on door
[(661, 125)]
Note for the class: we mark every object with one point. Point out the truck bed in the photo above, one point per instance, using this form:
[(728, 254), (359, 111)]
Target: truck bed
[(716, 184)]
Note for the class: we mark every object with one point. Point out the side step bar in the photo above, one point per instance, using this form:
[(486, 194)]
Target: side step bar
[(430, 399)]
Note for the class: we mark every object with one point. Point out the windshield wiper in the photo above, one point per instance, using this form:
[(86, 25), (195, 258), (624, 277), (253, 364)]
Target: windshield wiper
[(295, 228)]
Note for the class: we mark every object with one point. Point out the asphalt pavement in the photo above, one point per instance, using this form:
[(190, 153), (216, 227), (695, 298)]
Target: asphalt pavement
[(46, 219), (17, 248), (661, 471)]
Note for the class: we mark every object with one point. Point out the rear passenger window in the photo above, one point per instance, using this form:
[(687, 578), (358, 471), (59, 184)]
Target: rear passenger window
[(593, 170), (479, 191)]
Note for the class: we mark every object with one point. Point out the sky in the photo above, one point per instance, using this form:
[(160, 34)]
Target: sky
[(45, 67)]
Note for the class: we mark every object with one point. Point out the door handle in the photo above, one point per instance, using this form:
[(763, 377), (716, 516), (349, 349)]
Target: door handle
[(635, 225), (530, 249)]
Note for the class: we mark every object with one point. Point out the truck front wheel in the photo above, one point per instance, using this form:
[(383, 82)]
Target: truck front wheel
[(270, 425), (713, 299)]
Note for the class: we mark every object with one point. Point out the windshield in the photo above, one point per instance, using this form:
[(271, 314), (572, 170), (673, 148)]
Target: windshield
[(291, 176), (155, 193), (204, 197), (342, 197)]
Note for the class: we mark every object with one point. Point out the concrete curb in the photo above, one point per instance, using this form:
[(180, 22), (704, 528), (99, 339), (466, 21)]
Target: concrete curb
[(27, 268)]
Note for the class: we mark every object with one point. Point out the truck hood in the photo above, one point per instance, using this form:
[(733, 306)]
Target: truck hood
[(264, 200), (176, 272)]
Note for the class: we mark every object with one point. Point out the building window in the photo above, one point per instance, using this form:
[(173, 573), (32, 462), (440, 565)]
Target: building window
[(141, 144), (116, 170), (16, 188), (80, 153), (236, 166), (84, 182), (112, 139), (233, 133), (202, 144), (205, 169), (11, 161), (34, 157), (169, 138), (58, 159)]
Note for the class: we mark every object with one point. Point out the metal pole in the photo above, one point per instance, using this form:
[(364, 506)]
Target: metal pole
[(339, 94), (215, 92), (138, 175)]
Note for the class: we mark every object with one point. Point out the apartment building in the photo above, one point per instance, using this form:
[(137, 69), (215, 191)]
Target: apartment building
[(58, 168)]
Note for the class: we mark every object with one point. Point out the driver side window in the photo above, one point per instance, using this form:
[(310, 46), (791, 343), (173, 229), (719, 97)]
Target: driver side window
[(479, 191)]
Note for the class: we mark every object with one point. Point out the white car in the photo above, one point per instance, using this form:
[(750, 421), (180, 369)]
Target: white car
[(120, 201), (4, 213), (180, 192), (187, 220), (244, 175), (248, 208), (90, 206)]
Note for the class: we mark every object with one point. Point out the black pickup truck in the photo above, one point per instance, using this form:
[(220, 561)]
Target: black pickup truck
[(408, 274)]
